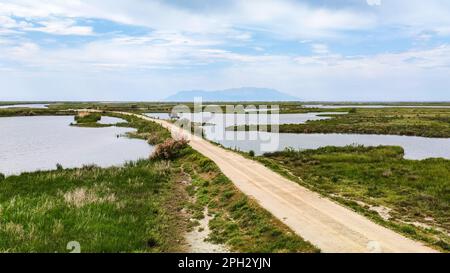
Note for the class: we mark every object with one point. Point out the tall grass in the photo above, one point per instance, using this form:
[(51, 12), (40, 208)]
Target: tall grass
[(389, 121), (141, 207), (88, 117), (105, 210), (238, 221), (413, 191)]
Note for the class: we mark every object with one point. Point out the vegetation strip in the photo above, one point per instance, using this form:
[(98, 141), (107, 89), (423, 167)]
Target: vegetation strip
[(388, 121), (412, 197), (143, 206)]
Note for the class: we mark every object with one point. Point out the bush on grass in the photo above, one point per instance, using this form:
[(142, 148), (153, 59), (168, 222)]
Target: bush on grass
[(169, 149)]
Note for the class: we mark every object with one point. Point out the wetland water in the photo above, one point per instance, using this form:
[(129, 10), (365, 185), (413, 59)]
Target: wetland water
[(416, 148), (36, 106), (327, 106), (38, 143)]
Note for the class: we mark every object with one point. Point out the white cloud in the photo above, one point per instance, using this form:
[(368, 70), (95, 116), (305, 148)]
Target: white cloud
[(416, 16), (281, 18), (141, 70), (290, 19), (61, 27), (52, 25), (7, 22), (320, 48), (24, 51), (166, 50), (183, 40), (412, 75), (284, 18), (373, 2)]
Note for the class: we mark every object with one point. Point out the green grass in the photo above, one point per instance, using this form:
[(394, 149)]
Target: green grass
[(150, 131), (361, 177), (166, 107), (238, 221), (390, 121), (88, 118), (142, 107), (105, 210), (135, 208), (128, 209), (15, 112)]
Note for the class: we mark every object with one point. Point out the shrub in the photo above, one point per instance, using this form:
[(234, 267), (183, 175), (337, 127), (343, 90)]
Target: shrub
[(207, 165), (2, 177), (443, 245), (170, 149), (153, 139), (374, 191), (163, 168), (251, 153), (84, 117), (59, 167)]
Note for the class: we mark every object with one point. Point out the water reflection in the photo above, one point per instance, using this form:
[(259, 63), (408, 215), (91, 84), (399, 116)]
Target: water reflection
[(39, 143)]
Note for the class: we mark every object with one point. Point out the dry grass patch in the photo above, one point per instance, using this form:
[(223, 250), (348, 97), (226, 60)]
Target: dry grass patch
[(14, 229), (81, 197)]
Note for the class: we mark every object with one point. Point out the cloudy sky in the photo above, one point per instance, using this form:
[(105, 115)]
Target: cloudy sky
[(149, 49)]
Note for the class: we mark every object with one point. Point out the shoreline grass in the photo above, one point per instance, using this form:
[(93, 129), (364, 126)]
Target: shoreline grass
[(135, 208), (422, 122), (28, 112), (411, 197), (238, 221), (105, 210)]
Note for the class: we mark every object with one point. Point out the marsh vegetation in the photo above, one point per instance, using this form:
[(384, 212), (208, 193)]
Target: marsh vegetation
[(410, 196), (143, 206), (426, 122), (105, 210), (147, 206)]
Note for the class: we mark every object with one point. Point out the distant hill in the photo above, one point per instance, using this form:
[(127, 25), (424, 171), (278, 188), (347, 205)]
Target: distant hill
[(236, 94)]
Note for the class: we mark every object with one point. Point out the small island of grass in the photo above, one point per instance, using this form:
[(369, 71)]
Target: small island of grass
[(88, 119)]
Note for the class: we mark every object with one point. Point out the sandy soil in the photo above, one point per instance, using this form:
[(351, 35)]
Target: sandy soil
[(197, 242), (326, 224)]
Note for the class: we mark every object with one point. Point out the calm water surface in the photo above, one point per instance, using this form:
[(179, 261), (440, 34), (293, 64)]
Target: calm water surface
[(225, 120), (110, 120), (415, 147), (38, 106), (325, 106), (39, 143)]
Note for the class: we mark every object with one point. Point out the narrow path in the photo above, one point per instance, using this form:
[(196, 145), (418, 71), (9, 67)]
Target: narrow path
[(197, 238), (326, 224)]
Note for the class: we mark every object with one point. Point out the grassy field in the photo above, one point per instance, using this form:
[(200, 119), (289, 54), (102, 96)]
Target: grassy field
[(164, 107), (105, 210), (412, 197), (390, 121), (15, 112), (142, 107), (145, 206), (89, 120), (238, 221)]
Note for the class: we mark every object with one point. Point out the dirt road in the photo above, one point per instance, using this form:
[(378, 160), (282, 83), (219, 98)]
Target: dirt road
[(326, 224)]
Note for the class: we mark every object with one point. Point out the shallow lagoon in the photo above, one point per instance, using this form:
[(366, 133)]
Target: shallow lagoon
[(328, 106), (225, 120), (39, 143), (34, 105), (416, 148)]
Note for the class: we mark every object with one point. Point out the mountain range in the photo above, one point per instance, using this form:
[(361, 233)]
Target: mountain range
[(235, 94)]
